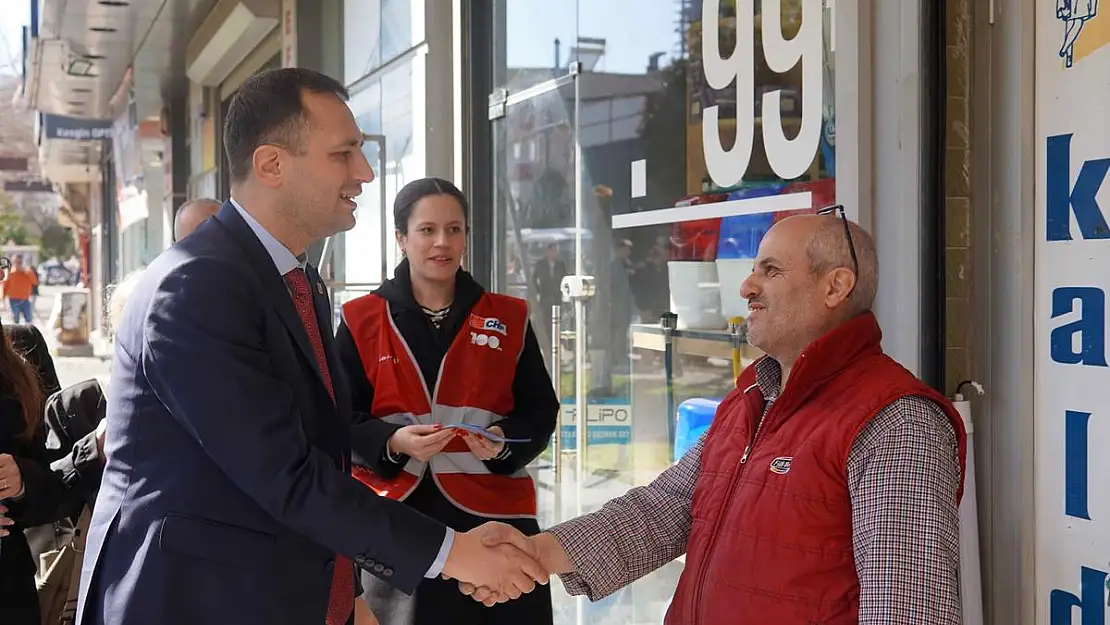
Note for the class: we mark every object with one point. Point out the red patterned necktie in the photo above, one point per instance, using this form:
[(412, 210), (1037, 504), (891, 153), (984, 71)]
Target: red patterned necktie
[(342, 600)]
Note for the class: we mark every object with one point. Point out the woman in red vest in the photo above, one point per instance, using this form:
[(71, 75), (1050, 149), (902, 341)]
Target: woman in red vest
[(433, 357)]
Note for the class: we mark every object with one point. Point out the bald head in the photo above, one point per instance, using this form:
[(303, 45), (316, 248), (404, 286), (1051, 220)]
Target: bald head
[(827, 249), (192, 214)]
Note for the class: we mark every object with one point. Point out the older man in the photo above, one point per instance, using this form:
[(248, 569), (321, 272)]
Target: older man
[(192, 214), (827, 488)]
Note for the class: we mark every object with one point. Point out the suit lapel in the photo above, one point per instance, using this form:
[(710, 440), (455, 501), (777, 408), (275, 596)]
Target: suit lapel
[(275, 286)]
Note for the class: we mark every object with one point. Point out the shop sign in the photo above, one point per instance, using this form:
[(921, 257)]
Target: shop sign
[(608, 422), (788, 158), (75, 128), (1072, 256)]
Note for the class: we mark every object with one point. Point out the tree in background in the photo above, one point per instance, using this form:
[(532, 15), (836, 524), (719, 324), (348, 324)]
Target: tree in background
[(57, 242), (12, 228)]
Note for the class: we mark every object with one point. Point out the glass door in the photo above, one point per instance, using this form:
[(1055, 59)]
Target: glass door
[(540, 238), (537, 228), (555, 247)]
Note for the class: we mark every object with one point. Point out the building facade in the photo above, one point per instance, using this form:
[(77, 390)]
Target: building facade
[(640, 149)]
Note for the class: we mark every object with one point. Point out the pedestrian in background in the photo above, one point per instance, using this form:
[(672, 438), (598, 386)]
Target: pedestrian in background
[(19, 285)]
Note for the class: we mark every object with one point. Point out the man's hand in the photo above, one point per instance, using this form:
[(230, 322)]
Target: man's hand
[(101, 432), (420, 441), (363, 615), (544, 547), (11, 480), (495, 556), (5, 522)]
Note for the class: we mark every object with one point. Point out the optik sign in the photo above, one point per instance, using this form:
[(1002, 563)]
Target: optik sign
[(1072, 275)]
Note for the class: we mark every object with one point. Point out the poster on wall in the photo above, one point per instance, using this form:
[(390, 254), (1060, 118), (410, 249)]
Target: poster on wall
[(1072, 276)]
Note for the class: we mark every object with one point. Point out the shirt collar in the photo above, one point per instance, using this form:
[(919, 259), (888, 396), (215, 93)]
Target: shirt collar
[(768, 375), (284, 260)]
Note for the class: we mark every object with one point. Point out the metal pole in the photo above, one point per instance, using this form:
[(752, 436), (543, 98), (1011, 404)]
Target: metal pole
[(557, 381), (324, 252), (580, 343), (380, 174), (385, 208), (669, 322)]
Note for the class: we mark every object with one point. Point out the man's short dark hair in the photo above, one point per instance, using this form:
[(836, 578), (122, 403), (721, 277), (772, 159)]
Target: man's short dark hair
[(267, 109)]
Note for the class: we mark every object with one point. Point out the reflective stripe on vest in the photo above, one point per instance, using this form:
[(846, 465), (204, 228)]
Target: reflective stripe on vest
[(476, 374)]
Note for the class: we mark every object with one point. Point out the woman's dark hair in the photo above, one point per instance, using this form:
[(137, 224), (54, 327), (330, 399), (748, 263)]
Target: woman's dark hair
[(417, 190), (18, 378)]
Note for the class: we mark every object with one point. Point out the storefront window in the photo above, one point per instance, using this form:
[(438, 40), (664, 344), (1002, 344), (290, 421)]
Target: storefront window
[(692, 127), (383, 109), (377, 31)]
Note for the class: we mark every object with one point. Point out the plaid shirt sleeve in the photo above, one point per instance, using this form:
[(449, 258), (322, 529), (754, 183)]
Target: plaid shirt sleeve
[(632, 535), (903, 474)]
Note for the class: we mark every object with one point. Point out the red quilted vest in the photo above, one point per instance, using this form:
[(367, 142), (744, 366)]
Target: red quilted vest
[(771, 540)]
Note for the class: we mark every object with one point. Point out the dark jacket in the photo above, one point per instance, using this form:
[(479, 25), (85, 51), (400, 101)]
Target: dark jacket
[(72, 415), (42, 489), (223, 499), (536, 406)]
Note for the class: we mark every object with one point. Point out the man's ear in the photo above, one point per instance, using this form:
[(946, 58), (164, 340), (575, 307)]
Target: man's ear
[(840, 284), (268, 165)]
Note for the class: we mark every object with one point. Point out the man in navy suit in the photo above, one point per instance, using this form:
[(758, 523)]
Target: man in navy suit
[(226, 497)]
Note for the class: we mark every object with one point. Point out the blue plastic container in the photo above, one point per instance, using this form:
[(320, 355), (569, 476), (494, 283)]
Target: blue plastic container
[(694, 417), (740, 234)]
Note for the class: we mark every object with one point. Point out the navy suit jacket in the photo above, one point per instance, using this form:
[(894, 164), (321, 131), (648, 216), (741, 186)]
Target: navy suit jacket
[(223, 500)]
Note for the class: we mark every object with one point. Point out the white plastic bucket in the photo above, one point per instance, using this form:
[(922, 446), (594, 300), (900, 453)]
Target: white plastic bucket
[(696, 295), (731, 273)]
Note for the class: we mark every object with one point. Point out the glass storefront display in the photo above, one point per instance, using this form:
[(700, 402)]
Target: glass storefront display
[(383, 110), (385, 72), (376, 31), (647, 145)]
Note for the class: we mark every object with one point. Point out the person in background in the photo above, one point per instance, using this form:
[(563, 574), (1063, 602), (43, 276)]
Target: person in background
[(432, 349), (19, 285), (29, 343), (28, 490), (548, 277), (192, 214), (847, 509)]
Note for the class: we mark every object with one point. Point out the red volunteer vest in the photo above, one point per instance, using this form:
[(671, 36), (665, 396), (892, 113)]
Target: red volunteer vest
[(771, 540), (474, 386)]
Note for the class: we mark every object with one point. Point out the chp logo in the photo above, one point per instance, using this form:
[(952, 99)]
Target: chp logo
[(488, 324), (485, 340)]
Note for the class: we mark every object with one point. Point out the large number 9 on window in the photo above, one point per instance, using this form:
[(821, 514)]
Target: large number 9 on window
[(789, 158)]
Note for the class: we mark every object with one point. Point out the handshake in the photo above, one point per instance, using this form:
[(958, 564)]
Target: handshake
[(494, 562)]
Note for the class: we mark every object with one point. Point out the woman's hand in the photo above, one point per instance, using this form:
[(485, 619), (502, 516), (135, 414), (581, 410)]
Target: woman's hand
[(420, 441), (483, 447), (11, 481)]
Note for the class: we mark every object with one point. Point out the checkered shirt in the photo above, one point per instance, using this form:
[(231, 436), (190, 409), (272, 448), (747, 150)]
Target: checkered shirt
[(903, 474)]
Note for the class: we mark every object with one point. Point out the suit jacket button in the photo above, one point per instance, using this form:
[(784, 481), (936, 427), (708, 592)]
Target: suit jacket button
[(361, 559), (388, 572), (329, 565), (378, 568)]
